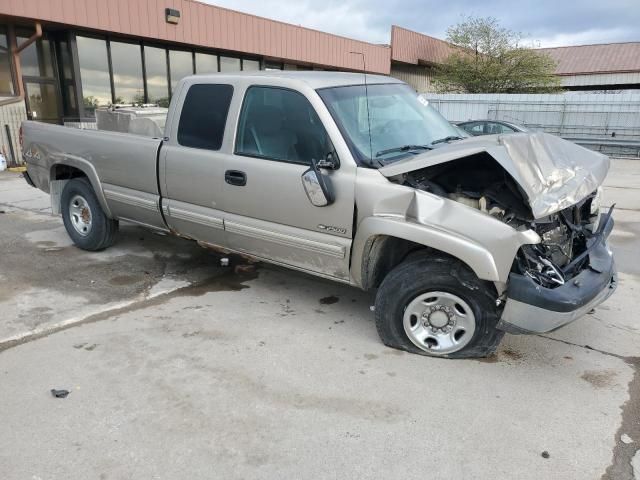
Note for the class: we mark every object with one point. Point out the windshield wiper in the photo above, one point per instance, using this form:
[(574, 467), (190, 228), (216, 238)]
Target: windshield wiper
[(446, 139), (404, 148)]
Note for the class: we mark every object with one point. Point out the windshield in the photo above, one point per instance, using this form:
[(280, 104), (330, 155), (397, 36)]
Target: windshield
[(401, 122)]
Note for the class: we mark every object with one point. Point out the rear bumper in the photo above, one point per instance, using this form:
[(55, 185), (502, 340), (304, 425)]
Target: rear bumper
[(531, 308)]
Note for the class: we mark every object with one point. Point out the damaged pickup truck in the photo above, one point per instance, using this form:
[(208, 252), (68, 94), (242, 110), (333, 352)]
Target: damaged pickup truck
[(359, 181)]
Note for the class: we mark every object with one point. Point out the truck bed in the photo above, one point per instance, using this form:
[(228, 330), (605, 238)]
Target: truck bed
[(121, 167)]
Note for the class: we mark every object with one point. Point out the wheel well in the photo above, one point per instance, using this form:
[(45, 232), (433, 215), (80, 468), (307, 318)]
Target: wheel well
[(66, 172), (383, 253)]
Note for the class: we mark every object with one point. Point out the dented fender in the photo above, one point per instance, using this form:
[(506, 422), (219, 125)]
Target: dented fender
[(487, 245)]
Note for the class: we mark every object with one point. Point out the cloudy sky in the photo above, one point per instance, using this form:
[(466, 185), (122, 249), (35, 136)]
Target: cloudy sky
[(548, 23)]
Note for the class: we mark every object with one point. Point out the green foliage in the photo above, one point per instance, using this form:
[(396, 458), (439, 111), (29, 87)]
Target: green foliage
[(163, 102), (90, 102), (490, 59), (138, 98)]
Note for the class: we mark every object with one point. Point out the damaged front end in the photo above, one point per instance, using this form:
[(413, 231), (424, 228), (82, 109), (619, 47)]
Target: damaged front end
[(533, 183), (589, 279)]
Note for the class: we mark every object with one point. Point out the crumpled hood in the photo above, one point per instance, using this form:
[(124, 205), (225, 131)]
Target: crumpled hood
[(554, 173)]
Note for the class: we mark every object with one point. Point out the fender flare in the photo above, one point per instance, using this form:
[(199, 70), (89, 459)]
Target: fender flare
[(85, 167)]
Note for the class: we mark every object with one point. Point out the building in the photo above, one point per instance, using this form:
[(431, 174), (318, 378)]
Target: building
[(414, 56), (602, 67), (66, 58), (609, 66), (62, 59)]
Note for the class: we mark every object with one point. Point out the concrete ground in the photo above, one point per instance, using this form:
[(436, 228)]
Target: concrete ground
[(179, 368)]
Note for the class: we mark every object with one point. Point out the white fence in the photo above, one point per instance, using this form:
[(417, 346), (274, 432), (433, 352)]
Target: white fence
[(605, 120)]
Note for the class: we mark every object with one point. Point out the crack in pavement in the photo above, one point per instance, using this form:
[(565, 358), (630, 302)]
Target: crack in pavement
[(227, 280), (588, 347), (124, 307), (621, 467)]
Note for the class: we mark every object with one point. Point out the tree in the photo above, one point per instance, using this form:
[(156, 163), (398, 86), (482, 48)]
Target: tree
[(488, 58)]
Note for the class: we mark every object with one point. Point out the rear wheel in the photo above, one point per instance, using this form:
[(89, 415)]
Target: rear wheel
[(83, 217), (437, 307)]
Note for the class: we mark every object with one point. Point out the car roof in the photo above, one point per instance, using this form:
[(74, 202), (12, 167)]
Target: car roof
[(314, 79), (483, 120)]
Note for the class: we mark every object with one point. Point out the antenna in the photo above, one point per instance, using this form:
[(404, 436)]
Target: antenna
[(366, 94)]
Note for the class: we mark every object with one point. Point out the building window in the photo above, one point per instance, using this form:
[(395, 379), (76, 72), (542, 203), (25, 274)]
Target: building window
[(180, 66), (66, 66), (250, 65), (6, 81), (204, 115), (43, 101), (94, 73), (228, 64), (155, 63), (206, 63), (272, 65), (67, 83), (126, 62), (36, 59)]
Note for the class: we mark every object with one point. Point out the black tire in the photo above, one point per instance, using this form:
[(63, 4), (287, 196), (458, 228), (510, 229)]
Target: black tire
[(422, 273), (102, 231)]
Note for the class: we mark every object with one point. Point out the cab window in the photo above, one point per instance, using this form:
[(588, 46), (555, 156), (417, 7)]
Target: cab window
[(204, 115), (280, 124)]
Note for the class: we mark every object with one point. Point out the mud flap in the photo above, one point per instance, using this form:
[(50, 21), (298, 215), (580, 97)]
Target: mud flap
[(55, 194)]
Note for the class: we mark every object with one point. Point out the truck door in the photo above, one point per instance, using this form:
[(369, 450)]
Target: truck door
[(267, 212), (191, 163)]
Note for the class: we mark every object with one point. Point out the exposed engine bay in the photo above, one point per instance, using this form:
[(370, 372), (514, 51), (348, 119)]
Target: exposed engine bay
[(478, 181)]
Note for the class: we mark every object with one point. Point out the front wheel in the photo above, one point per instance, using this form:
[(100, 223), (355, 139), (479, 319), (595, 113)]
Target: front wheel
[(436, 306), (83, 217)]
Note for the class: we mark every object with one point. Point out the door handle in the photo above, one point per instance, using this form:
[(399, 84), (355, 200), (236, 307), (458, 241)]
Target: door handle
[(235, 177)]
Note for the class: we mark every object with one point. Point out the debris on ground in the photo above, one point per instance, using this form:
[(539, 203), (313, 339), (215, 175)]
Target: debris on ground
[(545, 454), (624, 438), (244, 269), (59, 393), (224, 262)]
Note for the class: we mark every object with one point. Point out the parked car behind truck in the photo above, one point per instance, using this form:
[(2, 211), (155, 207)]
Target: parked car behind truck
[(490, 127), (361, 184)]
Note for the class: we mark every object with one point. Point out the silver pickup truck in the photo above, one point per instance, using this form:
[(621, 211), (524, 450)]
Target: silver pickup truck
[(360, 181)]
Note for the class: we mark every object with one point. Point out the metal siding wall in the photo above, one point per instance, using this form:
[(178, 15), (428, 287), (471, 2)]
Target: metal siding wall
[(601, 79), (223, 29), (572, 115), (418, 77), (411, 47)]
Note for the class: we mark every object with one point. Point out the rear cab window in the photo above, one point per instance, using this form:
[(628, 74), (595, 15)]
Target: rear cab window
[(204, 116)]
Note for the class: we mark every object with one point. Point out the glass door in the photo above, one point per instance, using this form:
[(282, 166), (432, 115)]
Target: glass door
[(43, 102), (39, 74)]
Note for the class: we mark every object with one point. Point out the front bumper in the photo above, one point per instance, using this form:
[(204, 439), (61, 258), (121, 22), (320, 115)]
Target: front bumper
[(531, 308)]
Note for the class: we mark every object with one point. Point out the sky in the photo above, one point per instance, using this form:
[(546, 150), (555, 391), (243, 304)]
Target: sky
[(545, 23)]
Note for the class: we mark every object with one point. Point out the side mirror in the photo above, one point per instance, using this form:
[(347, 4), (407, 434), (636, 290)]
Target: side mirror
[(330, 162), (316, 186)]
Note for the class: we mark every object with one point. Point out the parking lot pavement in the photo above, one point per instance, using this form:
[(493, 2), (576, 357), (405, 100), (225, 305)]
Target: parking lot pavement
[(275, 374)]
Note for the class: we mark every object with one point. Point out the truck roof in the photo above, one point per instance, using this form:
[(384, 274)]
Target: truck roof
[(314, 79)]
